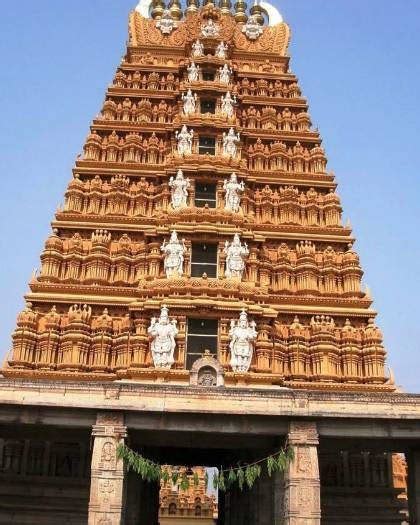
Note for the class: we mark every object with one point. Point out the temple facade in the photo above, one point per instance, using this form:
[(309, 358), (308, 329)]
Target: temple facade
[(200, 297)]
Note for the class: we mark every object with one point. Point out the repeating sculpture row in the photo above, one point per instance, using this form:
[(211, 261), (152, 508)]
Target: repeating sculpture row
[(120, 196), (141, 112), (78, 340)]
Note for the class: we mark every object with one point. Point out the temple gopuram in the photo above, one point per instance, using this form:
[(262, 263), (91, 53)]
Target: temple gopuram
[(199, 300)]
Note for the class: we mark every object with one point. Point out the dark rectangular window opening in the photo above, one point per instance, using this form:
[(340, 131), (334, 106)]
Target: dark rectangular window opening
[(201, 336), (208, 75), (205, 193), (203, 259), (208, 106), (206, 145)]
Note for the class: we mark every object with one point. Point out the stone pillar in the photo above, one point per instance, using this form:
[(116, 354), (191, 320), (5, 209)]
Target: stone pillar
[(302, 502), (106, 505), (413, 459)]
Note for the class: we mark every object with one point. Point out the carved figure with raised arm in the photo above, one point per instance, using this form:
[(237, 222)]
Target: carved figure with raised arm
[(193, 72), (227, 105), (242, 338), (190, 102), (230, 140), (233, 190), (197, 49), (179, 190), (236, 253), (221, 50), (184, 138), (210, 29), (163, 332), (225, 74), (174, 252)]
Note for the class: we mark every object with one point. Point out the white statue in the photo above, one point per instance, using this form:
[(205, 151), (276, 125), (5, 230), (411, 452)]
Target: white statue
[(197, 49), (184, 138), (163, 333), (174, 252), (242, 336), (179, 190), (166, 23), (229, 143), (210, 29), (193, 72), (190, 102), (252, 28), (233, 189), (235, 257), (221, 50), (225, 74), (227, 103)]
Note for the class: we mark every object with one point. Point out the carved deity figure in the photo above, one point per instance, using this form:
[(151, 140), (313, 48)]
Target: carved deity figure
[(197, 49), (233, 189), (225, 74), (193, 72), (190, 102), (179, 190), (210, 29), (252, 28), (221, 50), (227, 105), (235, 257), (163, 333), (174, 252), (184, 138), (229, 143), (242, 336), (166, 23)]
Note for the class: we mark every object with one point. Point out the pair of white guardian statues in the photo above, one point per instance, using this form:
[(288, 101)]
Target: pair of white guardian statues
[(163, 332)]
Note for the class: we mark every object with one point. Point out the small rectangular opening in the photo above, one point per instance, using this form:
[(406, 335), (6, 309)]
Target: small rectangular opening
[(206, 145), (202, 335), (203, 259), (208, 106), (208, 75), (205, 193)]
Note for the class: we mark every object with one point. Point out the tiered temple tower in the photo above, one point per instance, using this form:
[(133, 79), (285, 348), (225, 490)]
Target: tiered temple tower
[(201, 240)]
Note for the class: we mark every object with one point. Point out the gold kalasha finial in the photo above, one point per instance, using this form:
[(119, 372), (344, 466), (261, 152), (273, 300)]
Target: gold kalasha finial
[(175, 9), (192, 6), (240, 11), (225, 6), (257, 11), (158, 7)]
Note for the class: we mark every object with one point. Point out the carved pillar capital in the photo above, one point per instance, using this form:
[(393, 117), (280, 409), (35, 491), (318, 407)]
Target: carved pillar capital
[(106, 505)]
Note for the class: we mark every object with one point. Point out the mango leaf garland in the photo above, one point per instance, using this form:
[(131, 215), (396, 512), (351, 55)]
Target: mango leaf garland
[(245, 475)]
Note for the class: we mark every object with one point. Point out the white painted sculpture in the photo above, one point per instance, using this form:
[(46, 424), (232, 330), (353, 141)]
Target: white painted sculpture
[(233, 190), (193, 72), (225, 74), (242, 337), (252, 28), (197, 49), (179, 190), (190, 102), (166, 23), (174, 252), (210, 29), (227, 105), (163, 333), (184, 138), (236, 254), (221, 50), (229, 143)]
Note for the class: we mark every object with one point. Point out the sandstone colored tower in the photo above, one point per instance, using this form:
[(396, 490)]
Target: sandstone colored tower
[(102, 275), (199, 292)]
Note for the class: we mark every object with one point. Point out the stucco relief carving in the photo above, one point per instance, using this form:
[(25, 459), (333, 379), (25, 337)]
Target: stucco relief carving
[(106, 489), (108, 456)]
